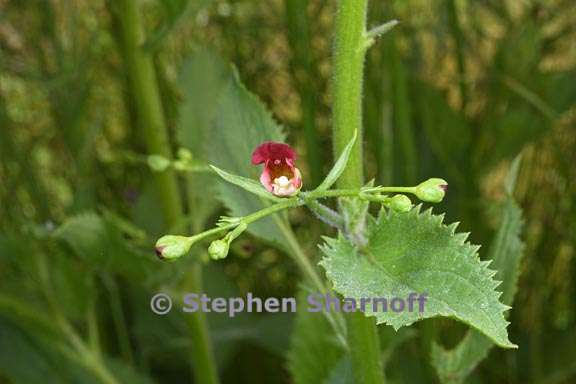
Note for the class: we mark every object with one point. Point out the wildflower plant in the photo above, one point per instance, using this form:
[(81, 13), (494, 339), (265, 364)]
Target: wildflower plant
[(404, 248), (401, 250)]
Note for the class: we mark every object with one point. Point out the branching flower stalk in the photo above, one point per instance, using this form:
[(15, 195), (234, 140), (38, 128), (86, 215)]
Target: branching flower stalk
[(172, 247)]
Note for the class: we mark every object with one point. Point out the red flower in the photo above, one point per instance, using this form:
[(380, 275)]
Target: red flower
[(279, 176)]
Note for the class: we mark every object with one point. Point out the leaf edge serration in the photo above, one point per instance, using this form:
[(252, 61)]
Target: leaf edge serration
[(434, 222)]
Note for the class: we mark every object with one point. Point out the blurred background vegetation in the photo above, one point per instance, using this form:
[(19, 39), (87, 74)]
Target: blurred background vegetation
[(457, 90)]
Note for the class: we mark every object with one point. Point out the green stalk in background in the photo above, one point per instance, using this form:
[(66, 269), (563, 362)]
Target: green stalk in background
[(402, 123), (144, 89), (349, 51), (304, 74), (456, 30), (378, 105)]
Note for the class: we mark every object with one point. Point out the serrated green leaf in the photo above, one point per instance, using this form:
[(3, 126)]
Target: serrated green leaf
[(222, 123), (246, 184), (315, 353), (506, 250), (339, 166), (202, 80), (416, 253), (241, 123)]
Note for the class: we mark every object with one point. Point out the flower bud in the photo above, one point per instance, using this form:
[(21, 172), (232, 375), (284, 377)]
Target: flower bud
[(184, 160), (400, 203), (171, 247), (218, 249), (432, 190), (158, 163), (184, 154)]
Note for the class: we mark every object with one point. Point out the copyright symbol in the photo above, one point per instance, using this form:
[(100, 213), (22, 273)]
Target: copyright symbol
[(160, 304)]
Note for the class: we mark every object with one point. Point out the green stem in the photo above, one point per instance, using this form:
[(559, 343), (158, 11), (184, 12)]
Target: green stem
[(355, 192), (402, 111), (140, 68), (458, 36), (300, 257), (90, 358), (304, 75), (305, 198), (205, 369), (325, 214), (118, 318), (349, 50), (310, 274), (92, 325), (378, 107)]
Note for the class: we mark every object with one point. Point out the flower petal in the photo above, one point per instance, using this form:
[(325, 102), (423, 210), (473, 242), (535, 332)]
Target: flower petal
[(297, 179), (266, 179), (271, 150)]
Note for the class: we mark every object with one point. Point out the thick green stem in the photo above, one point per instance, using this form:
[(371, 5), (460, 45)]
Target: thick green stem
[(140, 68), (349, 51)]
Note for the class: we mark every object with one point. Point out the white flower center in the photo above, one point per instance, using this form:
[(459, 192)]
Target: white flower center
[(282, 181)]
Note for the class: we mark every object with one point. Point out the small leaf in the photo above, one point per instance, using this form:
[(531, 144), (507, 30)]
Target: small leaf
[(510, 182), (339, 167), (381, 29), (416, 253), (246, 184)]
